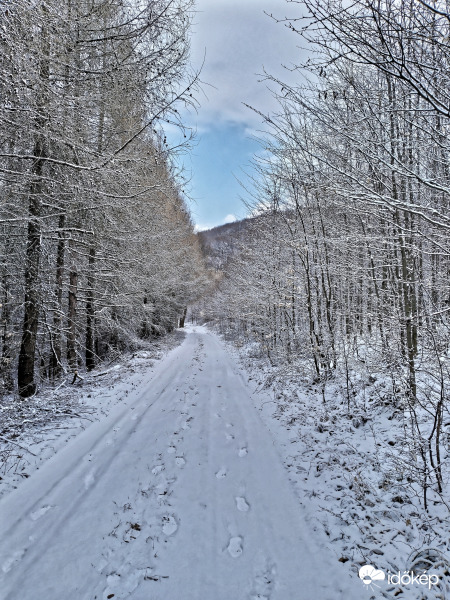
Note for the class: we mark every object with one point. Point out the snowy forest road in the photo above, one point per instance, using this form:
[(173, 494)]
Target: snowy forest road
[(180, 495)]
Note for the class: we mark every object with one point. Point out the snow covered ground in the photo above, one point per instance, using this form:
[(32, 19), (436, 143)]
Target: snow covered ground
[(349, 467), (178, 494), (33, 430)]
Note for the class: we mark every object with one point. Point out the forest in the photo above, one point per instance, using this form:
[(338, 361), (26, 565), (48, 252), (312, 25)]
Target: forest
[(299, 424), (342, 273), (98, 250)]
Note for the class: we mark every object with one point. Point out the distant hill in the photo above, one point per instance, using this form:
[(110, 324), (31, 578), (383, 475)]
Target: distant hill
[(220, 243)]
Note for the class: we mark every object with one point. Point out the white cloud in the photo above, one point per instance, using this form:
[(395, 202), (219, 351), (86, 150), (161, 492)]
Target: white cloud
[(199, 227), (240, 41), (258, 209), (203, 227)]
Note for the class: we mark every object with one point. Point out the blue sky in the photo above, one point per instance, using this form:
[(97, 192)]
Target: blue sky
[(220, 158), (238, 41)]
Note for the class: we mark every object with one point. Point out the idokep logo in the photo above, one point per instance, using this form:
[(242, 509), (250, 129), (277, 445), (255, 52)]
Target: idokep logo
[(369, 575), (408, 577)]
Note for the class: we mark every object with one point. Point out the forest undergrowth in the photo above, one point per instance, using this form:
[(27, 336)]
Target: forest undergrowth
[(355, 469)]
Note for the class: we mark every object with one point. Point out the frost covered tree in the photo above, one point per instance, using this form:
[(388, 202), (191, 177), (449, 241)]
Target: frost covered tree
[(345, 268), (87, 86)]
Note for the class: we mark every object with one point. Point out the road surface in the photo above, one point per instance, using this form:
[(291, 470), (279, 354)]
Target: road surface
[(179, 495)]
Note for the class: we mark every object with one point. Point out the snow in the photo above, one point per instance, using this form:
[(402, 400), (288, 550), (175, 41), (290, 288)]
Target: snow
[(179, 493), (349, 468), (34, 430)]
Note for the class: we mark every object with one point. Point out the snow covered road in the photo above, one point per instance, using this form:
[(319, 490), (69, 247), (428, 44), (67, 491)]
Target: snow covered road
[(179, 495)]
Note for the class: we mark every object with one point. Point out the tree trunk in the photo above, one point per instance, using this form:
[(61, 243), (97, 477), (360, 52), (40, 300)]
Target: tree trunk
[(5, 364), (56, 351), (90, 313), (183, 317), (25, 375), (71, 320)]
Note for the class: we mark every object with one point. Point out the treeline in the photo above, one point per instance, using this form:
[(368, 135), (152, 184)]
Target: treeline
[(346, 272), (97, 246)]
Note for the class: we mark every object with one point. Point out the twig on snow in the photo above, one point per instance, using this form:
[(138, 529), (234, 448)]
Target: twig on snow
[(16, 444)]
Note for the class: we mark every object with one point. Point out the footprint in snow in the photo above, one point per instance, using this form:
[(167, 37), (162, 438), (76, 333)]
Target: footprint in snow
[(235, 547), (9, 562), (229, 425), (264, 583), (89, 479), (37, 514), (169, 525), (113, 580), (180, 461), (221, 473), (229, 436), (242, 504), (171, 449), (101, 565), (243, 452), (157, 470)]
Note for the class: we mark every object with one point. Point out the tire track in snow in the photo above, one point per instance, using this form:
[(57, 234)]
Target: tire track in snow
[(158, 528)]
